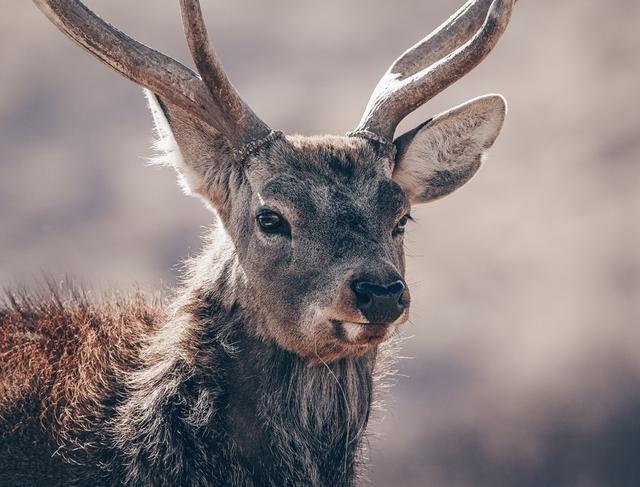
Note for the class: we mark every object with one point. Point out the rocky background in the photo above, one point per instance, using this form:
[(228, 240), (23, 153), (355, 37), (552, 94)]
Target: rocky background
[(523, 362)]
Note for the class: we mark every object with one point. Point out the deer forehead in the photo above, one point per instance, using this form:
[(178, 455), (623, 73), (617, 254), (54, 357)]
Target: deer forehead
[(308, 176)]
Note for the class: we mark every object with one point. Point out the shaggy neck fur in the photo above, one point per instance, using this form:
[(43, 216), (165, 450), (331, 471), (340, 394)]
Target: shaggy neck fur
[(216, 405)]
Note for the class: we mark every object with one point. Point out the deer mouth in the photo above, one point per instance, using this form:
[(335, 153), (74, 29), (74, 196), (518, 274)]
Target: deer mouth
[(363, 334)]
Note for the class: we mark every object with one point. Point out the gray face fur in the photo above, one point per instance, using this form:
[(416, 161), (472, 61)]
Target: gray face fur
[(342, 208), (342, 199)]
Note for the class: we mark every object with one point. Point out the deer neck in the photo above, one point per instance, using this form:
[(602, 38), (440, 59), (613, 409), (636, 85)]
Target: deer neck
[(290, 420), (275, 415)]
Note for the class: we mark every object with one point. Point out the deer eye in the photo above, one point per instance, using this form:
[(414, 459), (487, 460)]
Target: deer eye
[(400, 226), (270, 222)]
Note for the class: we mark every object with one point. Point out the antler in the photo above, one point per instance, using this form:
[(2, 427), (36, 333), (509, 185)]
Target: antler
[(233, 107), (214, 100), (433, 64)]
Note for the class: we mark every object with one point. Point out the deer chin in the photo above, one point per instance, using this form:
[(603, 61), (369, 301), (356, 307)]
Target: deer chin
[(343, 335), (322, 339), (363, 334), (344, 339)]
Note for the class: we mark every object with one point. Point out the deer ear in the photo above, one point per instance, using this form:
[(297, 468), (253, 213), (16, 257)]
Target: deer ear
[(442, 154), (197, 152)]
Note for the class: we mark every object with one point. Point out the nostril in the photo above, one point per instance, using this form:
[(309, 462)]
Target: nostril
[(363, 301), (396, 289), (363, 295)]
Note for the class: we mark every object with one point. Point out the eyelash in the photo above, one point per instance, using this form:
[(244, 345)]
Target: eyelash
[(271, 222), (399, 229)]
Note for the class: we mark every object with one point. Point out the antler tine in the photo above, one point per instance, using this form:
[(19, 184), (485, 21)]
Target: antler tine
[(246, 125), (454, 32), (213, 101), (157, 72), (432, 65)]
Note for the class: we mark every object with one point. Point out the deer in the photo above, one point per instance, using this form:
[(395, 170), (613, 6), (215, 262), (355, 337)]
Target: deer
[(265, 364)]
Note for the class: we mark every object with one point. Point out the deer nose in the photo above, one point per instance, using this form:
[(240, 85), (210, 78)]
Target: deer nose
[(379, 303)]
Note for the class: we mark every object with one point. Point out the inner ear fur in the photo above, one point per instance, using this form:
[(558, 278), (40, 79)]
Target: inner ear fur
[(442, 154), (198, 153)]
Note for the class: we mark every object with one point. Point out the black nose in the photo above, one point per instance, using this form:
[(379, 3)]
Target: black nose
[(379, 303)]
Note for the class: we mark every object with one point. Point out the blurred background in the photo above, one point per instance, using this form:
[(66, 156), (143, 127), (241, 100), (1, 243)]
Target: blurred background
[(523, 362)]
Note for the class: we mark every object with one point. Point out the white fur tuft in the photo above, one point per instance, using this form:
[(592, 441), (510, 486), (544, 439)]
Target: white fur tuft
[(167, 152)]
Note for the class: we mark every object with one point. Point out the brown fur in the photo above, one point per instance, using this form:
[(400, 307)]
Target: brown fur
[(62, 359)]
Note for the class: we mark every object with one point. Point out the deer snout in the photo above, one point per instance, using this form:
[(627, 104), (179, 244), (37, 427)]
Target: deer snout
[(378, 302)]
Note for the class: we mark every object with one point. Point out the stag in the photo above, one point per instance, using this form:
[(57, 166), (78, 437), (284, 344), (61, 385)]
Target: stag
[(261, 369)]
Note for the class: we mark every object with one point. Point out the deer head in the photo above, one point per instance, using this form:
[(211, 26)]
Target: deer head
[(316, 224)]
